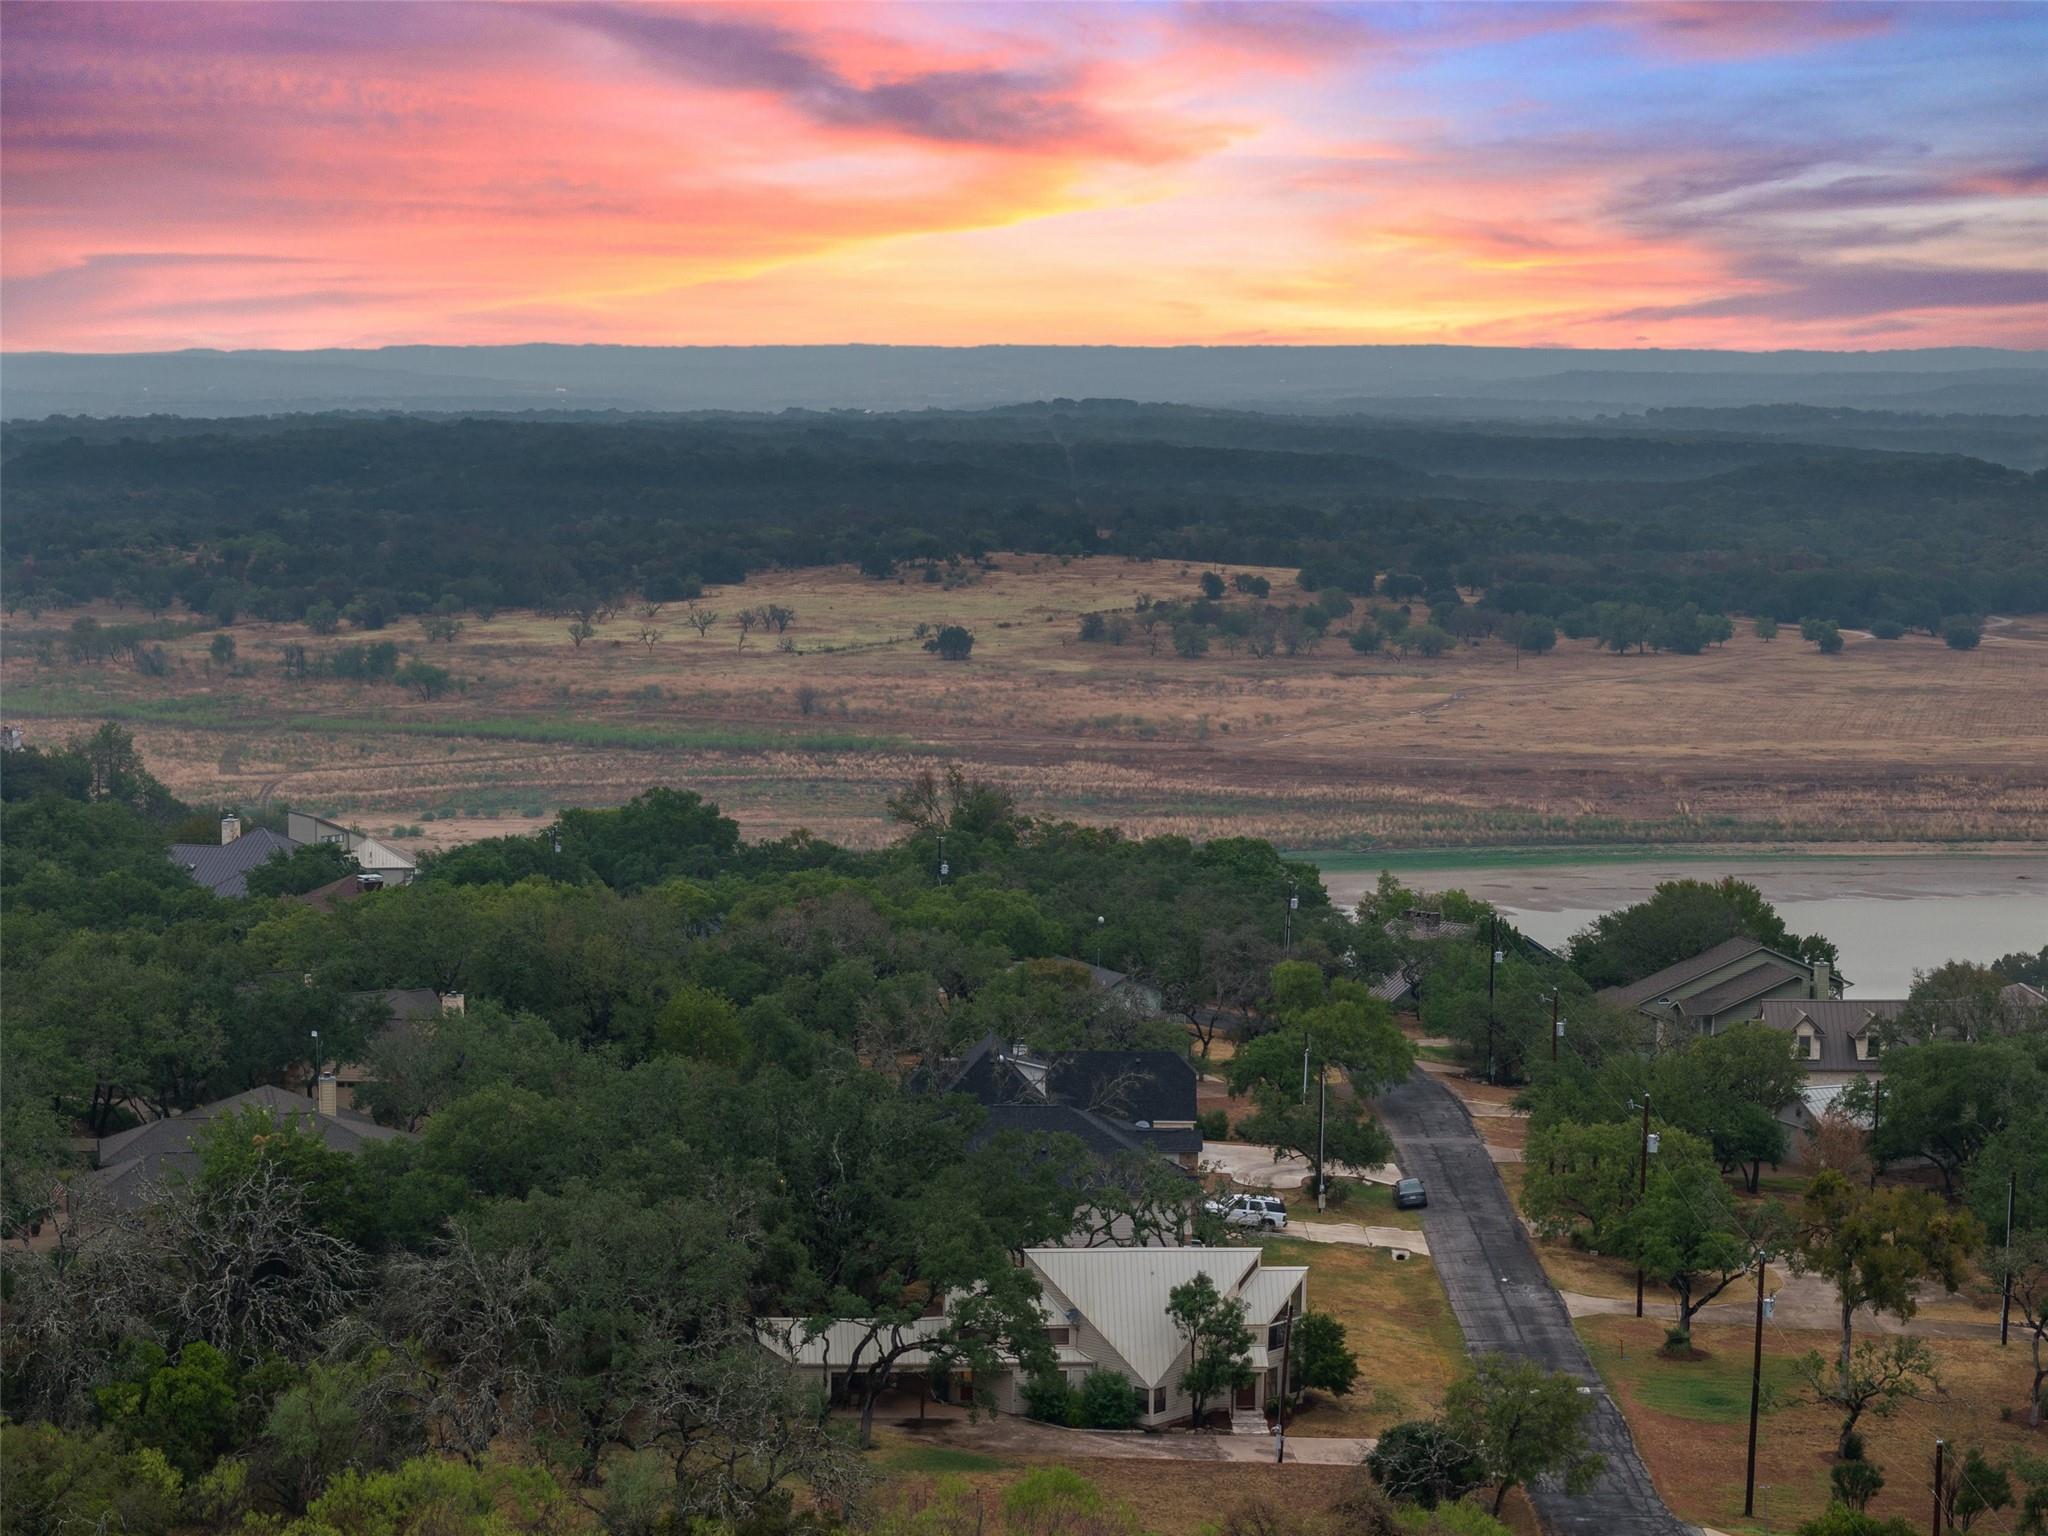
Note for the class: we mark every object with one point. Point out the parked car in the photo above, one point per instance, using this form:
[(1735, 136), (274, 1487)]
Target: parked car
[(1263, 1211), (1409, 1195)]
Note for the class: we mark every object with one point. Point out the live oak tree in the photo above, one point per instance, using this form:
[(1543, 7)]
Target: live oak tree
[(1687, 1233), (1945, 1100), (1219, 1341), (1422, 1462), (1523, 1424), (1583, 1178), (1877, 1247), (1340, 1027), (1877, 1379)]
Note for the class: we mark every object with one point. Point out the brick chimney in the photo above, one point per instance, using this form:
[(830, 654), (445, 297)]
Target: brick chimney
[(230, 828), (327, 1095)]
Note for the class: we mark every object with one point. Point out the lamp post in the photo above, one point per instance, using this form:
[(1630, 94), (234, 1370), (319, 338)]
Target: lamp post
[(1492, 964), (1099, 921), (1321, 1125), (945, 869), (1287, 932), (1286, 1356)]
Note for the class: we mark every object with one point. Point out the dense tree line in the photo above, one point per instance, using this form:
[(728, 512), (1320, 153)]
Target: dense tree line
[(367, 519), (691, 1089)]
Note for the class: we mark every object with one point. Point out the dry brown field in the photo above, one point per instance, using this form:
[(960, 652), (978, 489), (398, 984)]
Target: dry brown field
[(1752, 743)]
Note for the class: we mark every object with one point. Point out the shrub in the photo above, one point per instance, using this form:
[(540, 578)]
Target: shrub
[(1212, 585), (1766, 627), (1840, 1520), (1961, 634), (1856, 1482), (1677, 1344), (1093, 626), (1887, 629), (1214, 1124), (953, 642), (1366, 638), (1108, 1401), (1047, 1398)]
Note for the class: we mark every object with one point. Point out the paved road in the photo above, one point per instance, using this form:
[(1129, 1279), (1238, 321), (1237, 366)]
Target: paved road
[(1504, 1301)]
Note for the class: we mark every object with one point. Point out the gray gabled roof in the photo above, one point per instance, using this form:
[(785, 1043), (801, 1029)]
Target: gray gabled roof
[(1837, 1021), (223, 868), (1656, 985), (133, 1161), (1739, 989)]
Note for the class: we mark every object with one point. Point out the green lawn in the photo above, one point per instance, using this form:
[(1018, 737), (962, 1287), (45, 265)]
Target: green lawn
[(937, 1460), (1710, 1391), (1367, 1205)]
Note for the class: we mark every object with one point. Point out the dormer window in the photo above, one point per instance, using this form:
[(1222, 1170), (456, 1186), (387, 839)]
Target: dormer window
[(1809, 1040)]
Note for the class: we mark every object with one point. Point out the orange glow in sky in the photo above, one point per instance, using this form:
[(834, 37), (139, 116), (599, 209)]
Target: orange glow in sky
[(341, 174)]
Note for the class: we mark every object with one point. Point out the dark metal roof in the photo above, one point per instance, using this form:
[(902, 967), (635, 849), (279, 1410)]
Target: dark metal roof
[(223, 868)]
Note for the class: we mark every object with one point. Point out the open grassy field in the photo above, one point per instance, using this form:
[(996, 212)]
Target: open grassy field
[(1753, 742), (1691, 1421), (1398, 1322)]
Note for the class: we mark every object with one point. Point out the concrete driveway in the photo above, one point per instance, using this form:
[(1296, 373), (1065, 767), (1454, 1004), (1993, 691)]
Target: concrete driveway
[(1255, 1167), (1505, 1303)]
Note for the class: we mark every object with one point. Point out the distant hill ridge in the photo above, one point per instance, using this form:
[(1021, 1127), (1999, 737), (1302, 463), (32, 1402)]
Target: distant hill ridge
[(1430, 381)]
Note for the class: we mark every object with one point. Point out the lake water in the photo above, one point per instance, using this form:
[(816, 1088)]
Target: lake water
[(1888, 914)]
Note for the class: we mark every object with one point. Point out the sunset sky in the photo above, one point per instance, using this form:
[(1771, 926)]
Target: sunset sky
[(1586, 174)]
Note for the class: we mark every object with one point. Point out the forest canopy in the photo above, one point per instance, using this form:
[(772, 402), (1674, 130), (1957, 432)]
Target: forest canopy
[(374, 517)]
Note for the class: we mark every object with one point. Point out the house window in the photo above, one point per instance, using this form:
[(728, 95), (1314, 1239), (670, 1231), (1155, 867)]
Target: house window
[(1059, 1335), (1159, 1399), (1809, 1043), (1276, 1336)]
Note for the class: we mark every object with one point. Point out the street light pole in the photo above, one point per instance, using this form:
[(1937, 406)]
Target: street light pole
[(1756, 1392), (1642, 1188), (1099, 921), (1287, 928), (1492, 961), (943, 868), (1321, 1178)]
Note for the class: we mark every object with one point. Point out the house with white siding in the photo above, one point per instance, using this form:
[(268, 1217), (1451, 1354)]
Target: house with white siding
[(1105, 1310)]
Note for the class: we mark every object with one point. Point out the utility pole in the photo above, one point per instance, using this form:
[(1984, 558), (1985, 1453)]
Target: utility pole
[(1756, 1393), (1643, 1188), (1306, 1041), (1492, 962), (1287, 930), (1286, 1354), (1322, 1180), (2012, 1181), (1938, 1501)]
